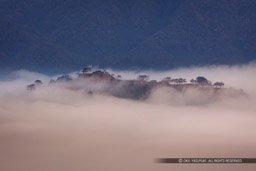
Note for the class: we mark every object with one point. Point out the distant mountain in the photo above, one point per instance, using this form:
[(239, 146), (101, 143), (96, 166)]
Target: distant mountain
[(62, 35)]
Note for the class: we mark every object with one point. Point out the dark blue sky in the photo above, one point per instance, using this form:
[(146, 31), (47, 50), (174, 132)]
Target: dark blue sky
[(63, 35)]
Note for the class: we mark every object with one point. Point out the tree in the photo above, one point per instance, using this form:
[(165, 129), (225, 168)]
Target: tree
[(178, 80), (64, 78), (218, 84), (119, 76), (52, 81), (31, 87), (202, 81), (38, 82), (143, 77), (86, 69), (174, 81), (181, 80), (168, 79), (193, 81)]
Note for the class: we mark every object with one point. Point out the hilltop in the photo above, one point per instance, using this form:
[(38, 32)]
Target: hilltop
[(102, 82)]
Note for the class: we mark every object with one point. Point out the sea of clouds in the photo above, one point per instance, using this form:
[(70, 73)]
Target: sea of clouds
[(57, 128)]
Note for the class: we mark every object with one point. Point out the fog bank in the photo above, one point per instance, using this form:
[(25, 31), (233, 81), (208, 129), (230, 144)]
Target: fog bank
[(56, 128)]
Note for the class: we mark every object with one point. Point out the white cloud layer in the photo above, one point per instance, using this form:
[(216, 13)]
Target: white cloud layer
[(55, 128)]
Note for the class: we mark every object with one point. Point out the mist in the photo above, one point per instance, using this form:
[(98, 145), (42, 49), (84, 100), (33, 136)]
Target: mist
[(61, 127)]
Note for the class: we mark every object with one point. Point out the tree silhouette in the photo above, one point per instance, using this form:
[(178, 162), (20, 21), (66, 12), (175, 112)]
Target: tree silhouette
[(178, 80), (143, 77), (52, 81), (181, 81), (167, 79), (31, 87), (202, 81), (38, 82), (218, 84), (64, 78), (193, 81), (86, 69)]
